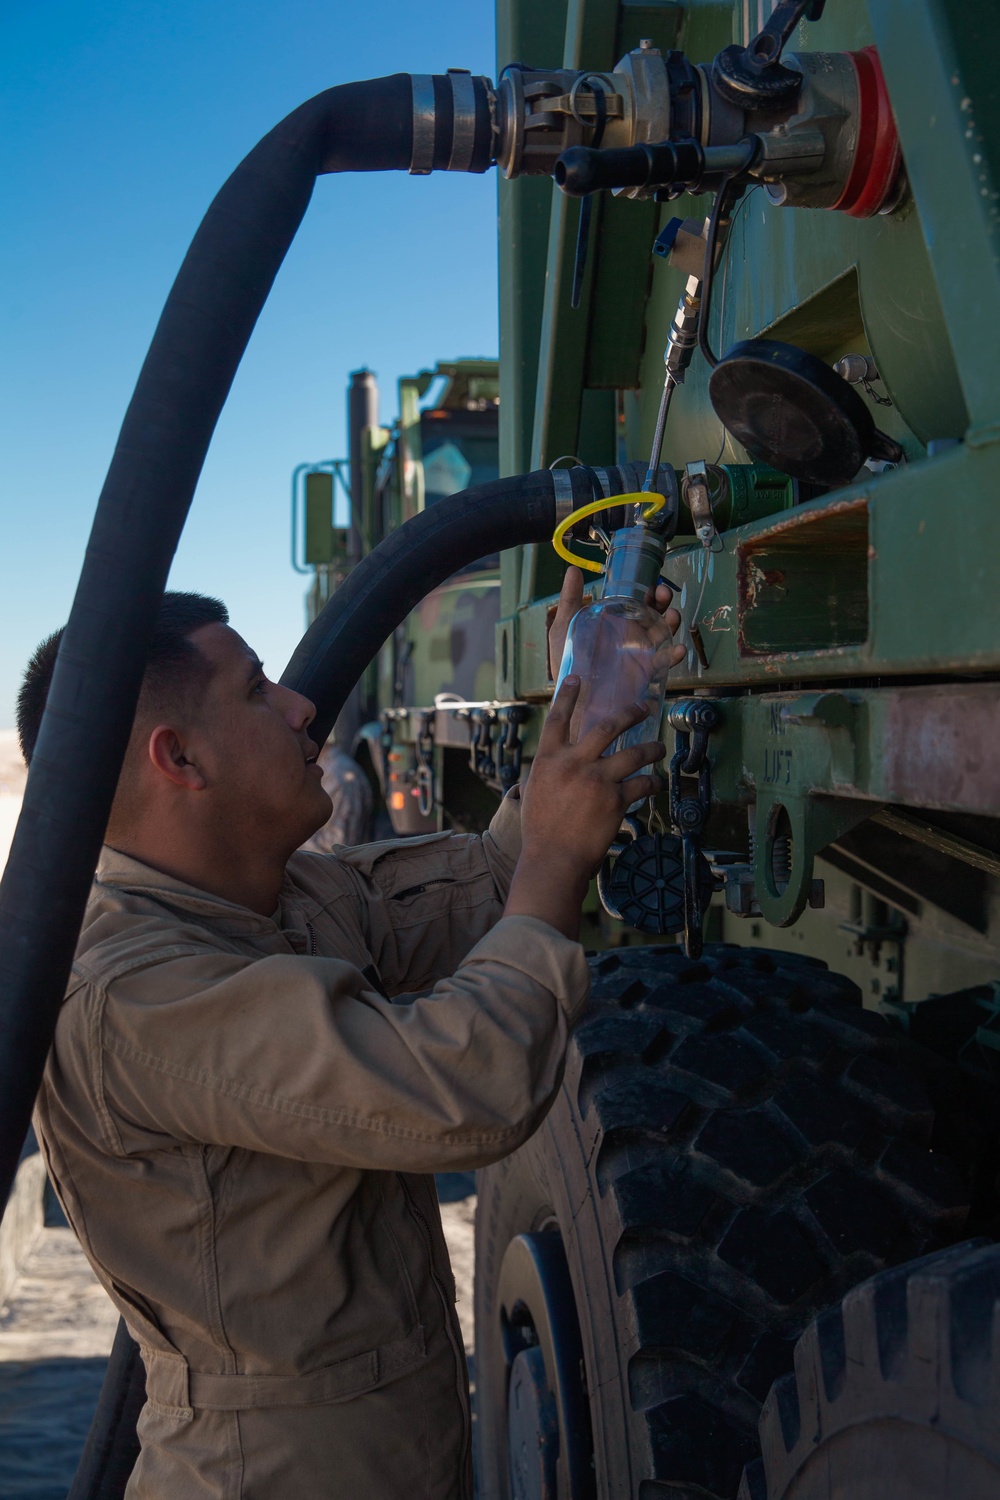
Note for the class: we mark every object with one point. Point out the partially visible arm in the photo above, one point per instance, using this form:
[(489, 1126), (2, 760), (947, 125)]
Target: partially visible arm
[(571, 601), (574, 802), (300, 1058), (424, 903), (427, 901)]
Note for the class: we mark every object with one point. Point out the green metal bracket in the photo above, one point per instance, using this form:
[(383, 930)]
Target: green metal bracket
[(938, 59), (320, 544), (790, 832)]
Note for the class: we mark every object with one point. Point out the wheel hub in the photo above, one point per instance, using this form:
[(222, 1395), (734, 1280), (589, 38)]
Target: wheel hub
[(548, 1419), (532, 1429)]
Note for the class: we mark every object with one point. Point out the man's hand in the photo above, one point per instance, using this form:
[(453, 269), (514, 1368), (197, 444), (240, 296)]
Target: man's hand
[(571, 601), (572, 807)]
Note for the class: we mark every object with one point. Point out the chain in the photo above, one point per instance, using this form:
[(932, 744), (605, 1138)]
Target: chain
[(481, 760), (425, 762), (387, 737), (509, 747), (692, 720), (873, 395), (497, 761)]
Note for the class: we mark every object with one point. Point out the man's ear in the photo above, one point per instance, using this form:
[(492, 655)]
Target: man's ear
[(167, 754)]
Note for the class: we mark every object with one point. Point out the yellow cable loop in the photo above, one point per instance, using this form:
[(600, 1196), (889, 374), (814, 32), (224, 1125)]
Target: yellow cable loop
[(654, 501)]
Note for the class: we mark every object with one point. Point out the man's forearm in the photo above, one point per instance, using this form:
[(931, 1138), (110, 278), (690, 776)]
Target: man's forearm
[(549, 886), (501, 842)]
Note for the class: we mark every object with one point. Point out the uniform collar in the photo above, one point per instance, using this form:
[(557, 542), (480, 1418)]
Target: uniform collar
[(124, 873)]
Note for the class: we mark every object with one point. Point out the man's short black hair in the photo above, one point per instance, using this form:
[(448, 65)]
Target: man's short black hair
[(170, 664)]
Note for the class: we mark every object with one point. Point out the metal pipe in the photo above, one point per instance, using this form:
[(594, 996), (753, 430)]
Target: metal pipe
[(362, 412)]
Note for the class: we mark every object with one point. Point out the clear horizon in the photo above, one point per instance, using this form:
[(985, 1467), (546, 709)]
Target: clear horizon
[(121, 123)]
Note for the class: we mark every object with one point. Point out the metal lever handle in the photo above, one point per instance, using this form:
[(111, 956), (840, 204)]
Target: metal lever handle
[(767, 46), (581, 169), (669, 164), (752, 77)]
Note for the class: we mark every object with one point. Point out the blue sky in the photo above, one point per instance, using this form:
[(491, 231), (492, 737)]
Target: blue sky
[(120, 119)]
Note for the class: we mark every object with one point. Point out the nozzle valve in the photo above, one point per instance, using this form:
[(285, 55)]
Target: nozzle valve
[(670, 167)]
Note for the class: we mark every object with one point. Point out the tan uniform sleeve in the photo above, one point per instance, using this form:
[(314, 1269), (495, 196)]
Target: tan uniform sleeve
[(425, 903), (296, 1056)]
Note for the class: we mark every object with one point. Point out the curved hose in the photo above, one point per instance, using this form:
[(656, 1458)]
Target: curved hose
[(379, 593), (394, 123), (199, 341)]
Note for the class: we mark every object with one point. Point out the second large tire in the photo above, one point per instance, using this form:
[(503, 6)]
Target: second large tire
[(734, 1147), (895, 1392)]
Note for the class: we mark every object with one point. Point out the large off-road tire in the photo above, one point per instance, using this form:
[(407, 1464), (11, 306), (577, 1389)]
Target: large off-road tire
[(896, 1393), (733, 1148)]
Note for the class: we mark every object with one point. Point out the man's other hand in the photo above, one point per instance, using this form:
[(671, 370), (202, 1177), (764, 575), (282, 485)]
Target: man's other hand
[(572, 806), (571, 602)]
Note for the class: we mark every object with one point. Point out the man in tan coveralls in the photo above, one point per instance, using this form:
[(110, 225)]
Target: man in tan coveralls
[(264, 1054)]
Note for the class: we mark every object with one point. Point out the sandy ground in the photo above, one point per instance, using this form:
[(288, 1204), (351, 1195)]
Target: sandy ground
[(12, 779), (58, 1309), (56, 1331), (10, 807), (13, 773), (459, 1221), (55, 1335)]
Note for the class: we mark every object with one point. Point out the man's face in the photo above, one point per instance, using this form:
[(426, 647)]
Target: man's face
[(249, 737)]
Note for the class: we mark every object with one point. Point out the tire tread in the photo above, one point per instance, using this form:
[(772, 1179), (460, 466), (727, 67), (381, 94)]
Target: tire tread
[(734, 1088)]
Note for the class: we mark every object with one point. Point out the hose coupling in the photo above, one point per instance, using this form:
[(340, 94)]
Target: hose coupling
[(453, 128)]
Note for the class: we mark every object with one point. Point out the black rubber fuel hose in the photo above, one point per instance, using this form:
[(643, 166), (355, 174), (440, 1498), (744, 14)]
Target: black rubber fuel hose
[(381, 590), (399, 123), (199, 341)]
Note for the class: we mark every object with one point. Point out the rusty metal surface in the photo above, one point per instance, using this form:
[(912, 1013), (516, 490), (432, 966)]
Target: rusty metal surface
[(805, 579), (929, 745), (939, 748)]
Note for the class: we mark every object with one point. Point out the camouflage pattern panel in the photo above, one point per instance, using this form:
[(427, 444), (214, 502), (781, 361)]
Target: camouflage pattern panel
[(450, 638)]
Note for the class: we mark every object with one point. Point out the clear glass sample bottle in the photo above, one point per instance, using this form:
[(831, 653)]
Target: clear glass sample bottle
[(619, 646)]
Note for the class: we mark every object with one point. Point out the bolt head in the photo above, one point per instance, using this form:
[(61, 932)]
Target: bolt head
[(689, 813)]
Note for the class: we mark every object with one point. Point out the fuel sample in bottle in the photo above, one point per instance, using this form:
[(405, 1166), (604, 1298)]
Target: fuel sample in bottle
[(619, 647)]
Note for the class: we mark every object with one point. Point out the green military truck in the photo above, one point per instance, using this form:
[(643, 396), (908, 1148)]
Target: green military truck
[(444, 439), (745, 1131), (748, 264)]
